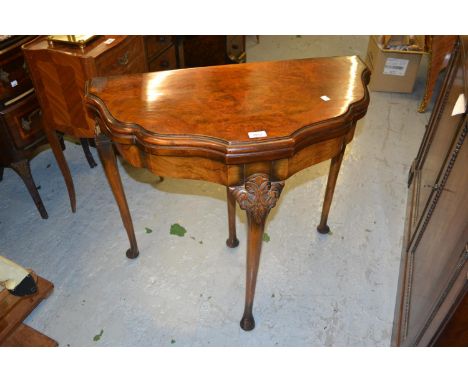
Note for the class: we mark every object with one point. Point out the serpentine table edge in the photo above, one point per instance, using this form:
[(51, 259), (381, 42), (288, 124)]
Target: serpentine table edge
[(254, 172)]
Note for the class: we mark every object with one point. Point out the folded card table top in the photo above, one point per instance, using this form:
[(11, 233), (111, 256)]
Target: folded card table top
[(248, 127), (227, 112)]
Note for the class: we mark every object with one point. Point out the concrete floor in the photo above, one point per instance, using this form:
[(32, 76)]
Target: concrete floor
[(313, 290)]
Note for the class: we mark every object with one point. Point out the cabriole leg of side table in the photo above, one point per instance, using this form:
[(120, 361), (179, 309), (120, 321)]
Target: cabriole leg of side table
[(331, 183), (57, 149), (232, 240), (1, 173), (109, 163), (24, 171), (257, 197)]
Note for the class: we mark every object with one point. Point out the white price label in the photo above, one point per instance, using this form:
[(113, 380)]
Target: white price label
[(395, 66), (460, 105), (257, 134), (109, 41), (325, 98), (14, 83)]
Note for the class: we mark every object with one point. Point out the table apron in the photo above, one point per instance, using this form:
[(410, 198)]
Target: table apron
[(208, 169)]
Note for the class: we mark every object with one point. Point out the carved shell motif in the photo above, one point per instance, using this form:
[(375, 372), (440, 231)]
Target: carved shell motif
[(258, 195)]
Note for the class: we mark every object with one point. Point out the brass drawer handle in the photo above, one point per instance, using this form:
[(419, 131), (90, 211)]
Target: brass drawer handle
[(239, 59), (123, 60)]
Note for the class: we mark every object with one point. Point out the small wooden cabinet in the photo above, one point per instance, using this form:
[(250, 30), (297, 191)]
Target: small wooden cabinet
[(59, 72), (172, 52), (434, 268), (161, 53), (21, 134), (212, 50)]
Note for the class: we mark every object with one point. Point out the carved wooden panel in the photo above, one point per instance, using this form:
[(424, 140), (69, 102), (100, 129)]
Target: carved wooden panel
[(437, 253), (434, 259)]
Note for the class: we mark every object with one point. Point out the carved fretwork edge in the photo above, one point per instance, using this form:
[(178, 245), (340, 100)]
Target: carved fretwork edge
[(258, 196)]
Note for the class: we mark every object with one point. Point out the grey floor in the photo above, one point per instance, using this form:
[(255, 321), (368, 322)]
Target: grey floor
[(313, 290)]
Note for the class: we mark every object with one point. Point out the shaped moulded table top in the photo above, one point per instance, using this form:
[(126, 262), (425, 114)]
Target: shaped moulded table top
[(210, 111), (195, 124)]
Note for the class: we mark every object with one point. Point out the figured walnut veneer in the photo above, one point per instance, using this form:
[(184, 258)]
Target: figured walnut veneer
[(195, 124)]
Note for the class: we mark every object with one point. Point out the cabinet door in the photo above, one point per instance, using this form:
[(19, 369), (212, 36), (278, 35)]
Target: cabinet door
[(125, 58), (14, 79), (24, 122), (155, 45), (438, 252), (440, 138), (165, 61)]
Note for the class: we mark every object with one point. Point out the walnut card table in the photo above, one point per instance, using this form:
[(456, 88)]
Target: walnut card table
[(248, 127)]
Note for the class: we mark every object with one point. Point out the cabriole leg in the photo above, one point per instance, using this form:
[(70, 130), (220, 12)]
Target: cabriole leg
[(54, 142), (24, 171), (232, 241), (257, 197), (331, 183), (109, 163)]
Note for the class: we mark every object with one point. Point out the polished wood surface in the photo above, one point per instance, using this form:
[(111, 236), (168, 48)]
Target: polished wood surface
[(439, 47), (257, 196), (14, 79), (210, 111), (106, 153), (162, 52), (59, 73), (21, 133), (14, 310), (455, 332), (195, 124), (232, 240), (435, 249), (25, 336), (165, 61)]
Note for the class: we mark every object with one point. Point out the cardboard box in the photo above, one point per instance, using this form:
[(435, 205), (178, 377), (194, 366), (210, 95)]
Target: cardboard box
[(392, 71), (403, 43)]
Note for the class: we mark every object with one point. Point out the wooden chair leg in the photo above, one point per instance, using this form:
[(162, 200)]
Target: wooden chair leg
[(109, 163), (24, 171), (257, 197), (1, 174), (232, 240), (54, 142), (331, 183), (87, 152)]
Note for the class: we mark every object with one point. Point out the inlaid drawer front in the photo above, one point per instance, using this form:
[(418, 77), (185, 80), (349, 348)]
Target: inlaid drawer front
[(24, 121), (167, 60), (14, 78), (125, 58), (156, 44)]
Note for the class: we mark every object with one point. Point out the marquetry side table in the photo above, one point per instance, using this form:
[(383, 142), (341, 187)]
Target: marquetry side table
[(248, 127), (59, 72)]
